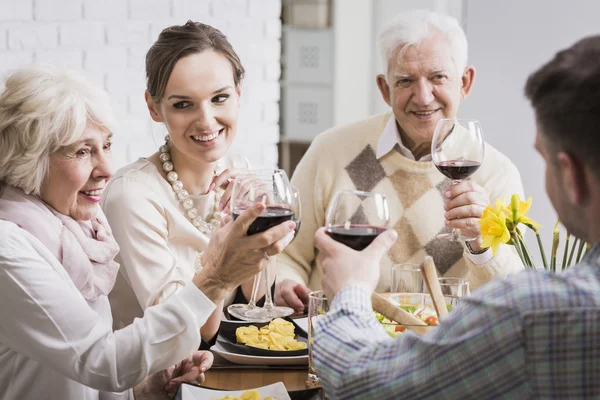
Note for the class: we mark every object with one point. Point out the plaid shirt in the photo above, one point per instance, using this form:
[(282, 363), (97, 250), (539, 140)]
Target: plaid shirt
[(533, 335)]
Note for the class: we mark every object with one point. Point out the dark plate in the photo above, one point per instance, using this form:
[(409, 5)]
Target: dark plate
[(228, 339)]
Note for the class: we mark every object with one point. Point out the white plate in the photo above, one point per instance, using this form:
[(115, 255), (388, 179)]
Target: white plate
[(190, 392), (258, 360)]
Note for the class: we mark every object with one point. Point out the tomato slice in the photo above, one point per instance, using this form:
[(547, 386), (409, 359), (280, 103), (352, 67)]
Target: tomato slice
[(431, 320), (399, 328)]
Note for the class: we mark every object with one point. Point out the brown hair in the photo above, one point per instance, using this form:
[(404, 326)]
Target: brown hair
[(178, 41), (565, 95)]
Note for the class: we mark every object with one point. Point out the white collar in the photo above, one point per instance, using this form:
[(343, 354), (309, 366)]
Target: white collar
[(390, 138)]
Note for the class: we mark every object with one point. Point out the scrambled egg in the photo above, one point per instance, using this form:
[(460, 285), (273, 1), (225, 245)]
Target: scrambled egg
[(278, 335)]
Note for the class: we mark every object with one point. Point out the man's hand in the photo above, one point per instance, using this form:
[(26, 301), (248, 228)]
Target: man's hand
[(292, 294), (465, 202), (343, 266), (164, 384)]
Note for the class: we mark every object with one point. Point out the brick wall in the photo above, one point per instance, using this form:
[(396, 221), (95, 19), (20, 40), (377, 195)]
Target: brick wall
[(108, 39)]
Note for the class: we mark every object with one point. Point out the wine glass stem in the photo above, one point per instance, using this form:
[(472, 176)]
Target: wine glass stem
[(456, 232), (255, 286), (268, 298)]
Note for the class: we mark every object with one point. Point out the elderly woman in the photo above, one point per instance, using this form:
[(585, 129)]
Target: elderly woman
[(57, 251)]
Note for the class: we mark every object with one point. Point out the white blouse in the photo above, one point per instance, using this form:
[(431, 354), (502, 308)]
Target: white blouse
[(55, 345), (158, 242)]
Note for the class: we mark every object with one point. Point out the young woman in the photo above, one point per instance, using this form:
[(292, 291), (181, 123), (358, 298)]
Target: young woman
[(163, 208)]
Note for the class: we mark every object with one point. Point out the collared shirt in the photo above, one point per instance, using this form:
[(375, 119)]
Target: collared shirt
[(390, 138), (533, 335)]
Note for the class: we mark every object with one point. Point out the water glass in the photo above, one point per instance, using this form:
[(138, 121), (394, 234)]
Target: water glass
[(318, 306)]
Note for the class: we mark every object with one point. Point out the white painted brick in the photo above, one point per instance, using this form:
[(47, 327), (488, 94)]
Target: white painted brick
[(272, 28), (137, 104), (125, 82), (3, 39), (11, 61), (272, 71), (250, 114), (156, 27), (196, 10), (229, 8), (136, 58), (82, 34), (32, 36), (13, 10), (96, 77), (65, 58), (107, 58), (149, 9), (267, 50), (119, 105), (63, 10), (263, 91), (105, 10), (270, 114), (130, 33), (270, 9)]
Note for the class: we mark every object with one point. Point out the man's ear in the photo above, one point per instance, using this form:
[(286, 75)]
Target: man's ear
[(573, 176), (467, 79), (384, 89), (152, 108)]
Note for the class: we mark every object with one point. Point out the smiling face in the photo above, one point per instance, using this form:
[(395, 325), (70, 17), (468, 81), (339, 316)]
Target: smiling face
[(199, 106), (77, 175), (422, 86)]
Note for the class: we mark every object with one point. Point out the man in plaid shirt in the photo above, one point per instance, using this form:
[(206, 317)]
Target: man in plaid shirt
[(532, 335)]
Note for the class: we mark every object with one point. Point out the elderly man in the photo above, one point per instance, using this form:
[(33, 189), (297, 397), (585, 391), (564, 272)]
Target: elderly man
[(425, 79), (531, 336)]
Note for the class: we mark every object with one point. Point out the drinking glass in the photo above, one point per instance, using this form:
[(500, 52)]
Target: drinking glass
[(408, 287), (457, 150), (272, 188), (318, 306), (356, 218), (454, 289)]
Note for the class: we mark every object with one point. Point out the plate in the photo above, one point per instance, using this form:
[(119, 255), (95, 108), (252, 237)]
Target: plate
[(228, 339), (219, 349), (193, 392)]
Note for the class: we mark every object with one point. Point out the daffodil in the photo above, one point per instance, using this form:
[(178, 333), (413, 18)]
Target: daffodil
[(518, 213), (493, 226)]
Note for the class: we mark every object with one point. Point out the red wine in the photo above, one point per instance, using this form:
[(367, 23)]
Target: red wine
[(357, 236), (270, 217), (458, 169)]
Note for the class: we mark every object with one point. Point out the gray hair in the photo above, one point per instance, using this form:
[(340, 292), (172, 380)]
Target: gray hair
[(42, 109), (412, 27)]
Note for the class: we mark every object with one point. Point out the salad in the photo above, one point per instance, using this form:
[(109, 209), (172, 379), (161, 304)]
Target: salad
[(426, 314)]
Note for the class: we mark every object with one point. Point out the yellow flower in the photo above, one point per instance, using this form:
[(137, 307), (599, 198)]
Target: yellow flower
[(493, 226), (518, 213)]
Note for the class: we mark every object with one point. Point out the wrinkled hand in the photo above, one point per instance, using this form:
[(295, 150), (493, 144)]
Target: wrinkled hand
[(232, 257), (465, 202), (164, 384), (343, 266), (292, 294)]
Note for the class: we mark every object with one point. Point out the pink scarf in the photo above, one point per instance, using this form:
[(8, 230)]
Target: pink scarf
[(86, 249)]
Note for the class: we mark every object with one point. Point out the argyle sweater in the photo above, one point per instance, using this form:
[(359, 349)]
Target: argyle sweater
[(344, 158)]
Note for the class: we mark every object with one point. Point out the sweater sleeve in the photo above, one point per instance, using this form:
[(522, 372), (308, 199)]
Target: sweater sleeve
[(501, 179), (312, 178)]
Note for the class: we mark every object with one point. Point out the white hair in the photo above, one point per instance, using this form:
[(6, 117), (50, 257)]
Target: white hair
[(42, 109), (412, 27)]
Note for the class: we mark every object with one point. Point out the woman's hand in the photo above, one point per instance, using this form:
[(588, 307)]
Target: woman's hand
[(225, 181), (232, 257), (164, 384)]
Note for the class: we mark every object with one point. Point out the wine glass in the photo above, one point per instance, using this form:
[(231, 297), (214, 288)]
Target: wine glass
[(457, 150), (297, 209), (272, 188), (356, 218)]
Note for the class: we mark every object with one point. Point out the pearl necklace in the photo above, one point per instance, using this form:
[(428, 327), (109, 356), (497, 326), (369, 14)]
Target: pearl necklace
[(213, 220)]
